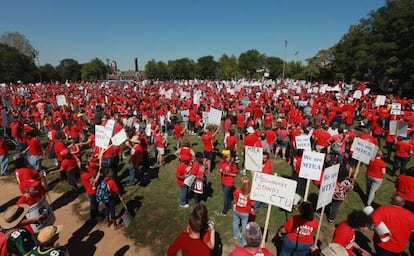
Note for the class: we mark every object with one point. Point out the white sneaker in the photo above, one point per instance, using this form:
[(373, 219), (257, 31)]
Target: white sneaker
[(184, 206)]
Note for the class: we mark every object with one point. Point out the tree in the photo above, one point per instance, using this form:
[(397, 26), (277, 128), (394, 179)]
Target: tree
[(16, 66), (162, 71), (49, 73), (94, 70), (228, 67), (275, 67), (69, 69), (20, 42), (151, 70), (206, 67), (181, 68), (321, 66), (250, 62)]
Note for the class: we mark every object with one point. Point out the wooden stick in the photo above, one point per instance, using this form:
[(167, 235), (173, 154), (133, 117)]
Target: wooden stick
[(356, 173), (305, 198), (319, 226), (269, 209)]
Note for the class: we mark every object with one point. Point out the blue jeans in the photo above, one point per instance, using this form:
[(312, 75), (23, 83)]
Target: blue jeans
[(227, 196), (382, 252), (110, 208), (292, 248), (71, 178), (131, 175), (35, 161), (93, 206), (4, 163), (183, 195), (244, 218), (400, 162), (257, 205)]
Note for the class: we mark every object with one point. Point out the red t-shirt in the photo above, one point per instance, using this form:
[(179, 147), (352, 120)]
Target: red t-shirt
[(250, 139), (58, 147), (178, 131), (207, 139), (86, 179), (159, 140), (345, 236), (231, 142), (267, 167), (299, 229), (188, 246), (182, 169), (399, 221), (270, 137), (185, 153), (376, 168), (226, 168), (136, 155), (402, 149), (69, 165), (243, 202), (25, 174), (4, 148), (405, 187), (242, 251), (35, 147)]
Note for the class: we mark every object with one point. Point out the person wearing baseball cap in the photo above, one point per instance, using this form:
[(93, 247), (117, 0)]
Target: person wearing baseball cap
[(47, 239), (253, 236), (12, 221)]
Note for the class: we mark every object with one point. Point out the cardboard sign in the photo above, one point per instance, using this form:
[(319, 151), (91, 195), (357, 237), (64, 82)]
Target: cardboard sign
[(119, 138), (357, 94), (205, 117), (61, 100), (395, 109), (273, 190), (393, 127), (303, 142), (380, 100), (41, 208), (326, 191), (312, 165), (184, 115), (402, 129), (214, 116), (254, 159), (363, 150), (101, 140)]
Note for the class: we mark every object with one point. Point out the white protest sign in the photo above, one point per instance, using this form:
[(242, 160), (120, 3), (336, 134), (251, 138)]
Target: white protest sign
[(326, 191), (184, 115), (61, 100), (273, 190), (303, 142), (311, 166), (393, 127), (254, 159), (214, 116), (205, 117), (363, 150), (119, 138), (357, 94), (380, 100), (366, 91), (101, 140), (109, 128), (41, 208), (196, 98), (395, 109), (402, 129)]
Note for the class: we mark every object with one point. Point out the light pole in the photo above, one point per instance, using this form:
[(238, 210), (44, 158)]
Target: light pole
[(36, 55), (284, 61)]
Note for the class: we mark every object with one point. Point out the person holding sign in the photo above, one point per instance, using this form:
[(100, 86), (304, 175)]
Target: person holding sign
[(228, 170), (298, 232), (198, 170), (183, 171), (242, 208), (208, 141)]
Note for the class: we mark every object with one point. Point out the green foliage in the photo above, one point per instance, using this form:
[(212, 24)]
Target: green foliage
[(228, 67), (15, 66), (275, 67), (94, 70), (182, 68), (206, 67), (250, 62), (49, 73), (69, 69)]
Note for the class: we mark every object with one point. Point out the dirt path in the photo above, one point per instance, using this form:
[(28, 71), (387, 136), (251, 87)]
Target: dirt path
[(82, 238)]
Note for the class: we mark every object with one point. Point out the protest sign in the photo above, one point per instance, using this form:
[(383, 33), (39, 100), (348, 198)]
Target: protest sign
[(393, 127), (101, 140), (402, 129), (363, 150), (380, 100), (109, 128), (214, 116), (119, 138), (41, 208), (254, 159), (273, 190), (357, 94), (61, 100), (395, 109), (184, 115), (367, 90), (205, 117), (327, 188), (311, 166), (303, 142), (196, 98)]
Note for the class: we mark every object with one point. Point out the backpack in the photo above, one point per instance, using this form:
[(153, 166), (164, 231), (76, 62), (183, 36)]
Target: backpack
[(102, 192), (218, 246)]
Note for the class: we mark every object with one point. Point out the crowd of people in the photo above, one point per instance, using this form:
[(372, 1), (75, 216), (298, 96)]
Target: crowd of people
[(269, 115)]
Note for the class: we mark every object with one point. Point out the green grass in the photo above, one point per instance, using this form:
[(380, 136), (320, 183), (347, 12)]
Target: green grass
[(159, 219)]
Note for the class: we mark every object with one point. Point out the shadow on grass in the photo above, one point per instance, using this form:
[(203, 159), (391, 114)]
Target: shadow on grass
[(63, 200), (78, 247), (9, 203), (360, 193)]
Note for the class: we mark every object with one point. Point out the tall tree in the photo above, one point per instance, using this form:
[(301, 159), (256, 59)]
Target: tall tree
[(94, 70), (69, 69), (206, 67), (16, 66), (251, 61), (151, 70), (162, 71), (20, 42), (228, 67), (275, 67), (49, 73), (182, 68)]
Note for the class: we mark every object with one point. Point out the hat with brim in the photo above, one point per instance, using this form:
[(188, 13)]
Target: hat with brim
[(46, 234), (13, 215), (134, 139)]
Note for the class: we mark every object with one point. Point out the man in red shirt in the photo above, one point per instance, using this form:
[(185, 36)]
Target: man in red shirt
[(71, 165), (135, 159), (178, 133), (400, 223), (35, 151), (241, 120), (183, 171), (375, 174), (207, 139)]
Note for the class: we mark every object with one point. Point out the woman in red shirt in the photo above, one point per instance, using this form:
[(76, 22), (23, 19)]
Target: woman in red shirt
[(228, 170), (185, 153), (298, 231), (243, 206), (403, 150), (70, 164), (375, 174)]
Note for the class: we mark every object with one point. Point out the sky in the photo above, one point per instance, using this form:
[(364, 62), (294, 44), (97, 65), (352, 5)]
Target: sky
[(166, 30)]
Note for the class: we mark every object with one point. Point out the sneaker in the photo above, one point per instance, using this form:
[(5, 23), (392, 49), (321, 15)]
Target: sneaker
[(330, 221), (223, 214), (184, 206)]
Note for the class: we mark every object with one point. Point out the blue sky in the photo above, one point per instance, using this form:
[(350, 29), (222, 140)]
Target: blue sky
[(167, 30)]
